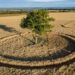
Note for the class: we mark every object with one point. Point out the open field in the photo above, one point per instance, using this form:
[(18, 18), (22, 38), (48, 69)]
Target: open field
[(17, 57), (67, 19)]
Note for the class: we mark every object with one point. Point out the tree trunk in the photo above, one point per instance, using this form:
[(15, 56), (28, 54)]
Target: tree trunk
[(36, 40), (47, 40)]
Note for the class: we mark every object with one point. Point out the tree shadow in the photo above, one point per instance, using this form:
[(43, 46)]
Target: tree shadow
[(5, 28), (10, 29), (37, 67), (64, 52), (59, 54)]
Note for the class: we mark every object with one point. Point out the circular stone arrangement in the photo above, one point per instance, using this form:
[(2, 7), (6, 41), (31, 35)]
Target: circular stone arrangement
[(17, 48)]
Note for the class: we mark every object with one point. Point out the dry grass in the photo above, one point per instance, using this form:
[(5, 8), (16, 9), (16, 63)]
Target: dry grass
[(14, 46)]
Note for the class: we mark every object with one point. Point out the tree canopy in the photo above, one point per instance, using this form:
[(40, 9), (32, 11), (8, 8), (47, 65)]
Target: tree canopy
[(38, 21)]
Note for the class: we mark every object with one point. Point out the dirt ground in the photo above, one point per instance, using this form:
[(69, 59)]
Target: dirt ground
[(67, 19), (9, 26)]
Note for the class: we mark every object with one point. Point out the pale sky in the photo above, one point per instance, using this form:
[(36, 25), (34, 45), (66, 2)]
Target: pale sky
[(36, 3)]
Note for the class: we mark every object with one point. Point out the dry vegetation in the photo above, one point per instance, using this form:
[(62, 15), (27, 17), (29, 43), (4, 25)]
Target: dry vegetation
[(19, 57)]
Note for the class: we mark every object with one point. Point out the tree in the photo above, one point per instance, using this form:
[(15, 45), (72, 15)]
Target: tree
[(38, 21)]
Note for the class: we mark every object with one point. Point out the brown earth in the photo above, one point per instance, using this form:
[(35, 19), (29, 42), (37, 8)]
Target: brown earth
[(14, 49)]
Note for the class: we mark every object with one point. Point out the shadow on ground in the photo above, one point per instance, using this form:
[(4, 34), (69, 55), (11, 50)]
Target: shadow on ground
[(64, 52), (8, 29), (59, 54), (37, 67)]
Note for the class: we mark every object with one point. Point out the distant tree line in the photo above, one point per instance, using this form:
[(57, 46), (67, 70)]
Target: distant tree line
[(21, 11), (13, 12)]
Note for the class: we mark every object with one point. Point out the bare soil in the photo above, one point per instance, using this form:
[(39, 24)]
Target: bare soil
[(16, 48)]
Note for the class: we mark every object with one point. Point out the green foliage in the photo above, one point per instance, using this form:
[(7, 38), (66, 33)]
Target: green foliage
[(38, 21)]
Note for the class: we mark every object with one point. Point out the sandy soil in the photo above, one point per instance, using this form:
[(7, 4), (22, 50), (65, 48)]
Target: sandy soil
[(66, 19), (9, 22), (10, 26), (12, 43)]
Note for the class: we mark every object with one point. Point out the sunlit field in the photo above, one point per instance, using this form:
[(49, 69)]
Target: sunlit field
[(19, 57)]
